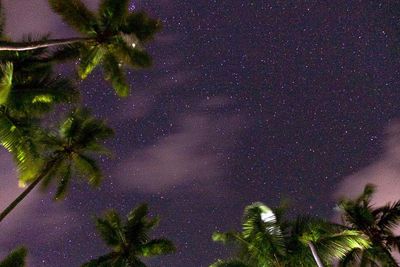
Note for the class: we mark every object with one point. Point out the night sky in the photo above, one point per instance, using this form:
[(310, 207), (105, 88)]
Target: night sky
[(247, 101)]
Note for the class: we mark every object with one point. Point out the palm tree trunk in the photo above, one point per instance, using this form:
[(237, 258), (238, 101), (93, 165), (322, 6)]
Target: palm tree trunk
[(23, 46), (315, 254), (39, 178)]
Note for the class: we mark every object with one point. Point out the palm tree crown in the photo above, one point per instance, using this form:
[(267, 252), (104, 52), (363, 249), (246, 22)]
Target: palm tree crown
[(267, 240), (115, 37), (129, 239), (28, 90), (66, 154), (71, 150), (376, 223)]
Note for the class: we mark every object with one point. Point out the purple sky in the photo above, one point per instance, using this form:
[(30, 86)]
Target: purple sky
[(247, 101)]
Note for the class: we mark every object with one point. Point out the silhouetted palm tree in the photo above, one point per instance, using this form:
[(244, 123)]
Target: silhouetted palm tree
[(129, 239), (68, 154), (378, 223), (113, 37), (15, 259), (266, 240)]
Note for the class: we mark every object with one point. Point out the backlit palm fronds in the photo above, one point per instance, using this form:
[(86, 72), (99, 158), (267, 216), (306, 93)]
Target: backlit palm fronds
[(129, 239), (79, 138), (378, 224)]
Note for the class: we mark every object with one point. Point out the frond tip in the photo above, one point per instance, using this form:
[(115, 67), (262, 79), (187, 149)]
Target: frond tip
[(15, 259)]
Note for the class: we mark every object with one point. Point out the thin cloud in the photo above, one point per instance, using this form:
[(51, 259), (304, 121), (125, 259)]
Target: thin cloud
[(385, 172), (189, 156)]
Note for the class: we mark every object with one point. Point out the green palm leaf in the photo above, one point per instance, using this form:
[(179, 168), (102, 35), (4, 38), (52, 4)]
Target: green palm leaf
[(90, 59), (88, 168), (15, 259), (114, 74), (108, 232), (157, 247), (134, 57), (129, 239), (6, 72), (233, 263), (338, 245), (75, 13), (140, 24), (65, 177), (113, 13), (389, 215)]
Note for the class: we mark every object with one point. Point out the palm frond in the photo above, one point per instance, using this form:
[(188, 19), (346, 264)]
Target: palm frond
[(37, 97), (88, 168), (366, 196), (65, 177), (75, 13), (389, 215), (231, 263), (157, 247), (129, 239), (338, 245), (102, 261), (90, 59), (108, 231), (113, 13), (15, 259), (134, 57), (115, 74), (260, 226), (17, 136), (138, 213), (6, 75), (351, 258), (64, 53), (142, 26), (228, 238)]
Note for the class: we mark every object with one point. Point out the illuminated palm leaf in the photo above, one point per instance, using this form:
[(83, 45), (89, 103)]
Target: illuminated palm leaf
[(267, 240)]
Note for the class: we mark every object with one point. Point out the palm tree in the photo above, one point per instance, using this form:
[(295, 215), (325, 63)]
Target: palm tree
[(15, 259), (114, 37), (267, 240), (378, 223), (28, 91), (129, 239), (68, 154)]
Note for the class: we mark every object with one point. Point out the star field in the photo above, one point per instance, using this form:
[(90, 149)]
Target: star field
[(247, 101)]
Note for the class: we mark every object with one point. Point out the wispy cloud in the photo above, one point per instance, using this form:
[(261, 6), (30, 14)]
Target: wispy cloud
[(384, 172), (189, 156)]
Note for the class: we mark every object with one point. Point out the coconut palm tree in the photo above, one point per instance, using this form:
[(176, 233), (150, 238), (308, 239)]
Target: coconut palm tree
[(113, 37), (28, 91), (129, 239), (378, 223), (15, 259), (267, 240), (68, 153)]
